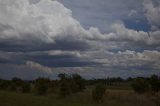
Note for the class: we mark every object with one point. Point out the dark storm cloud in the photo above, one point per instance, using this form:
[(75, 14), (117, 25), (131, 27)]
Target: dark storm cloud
[(31, 45), (61, 60)]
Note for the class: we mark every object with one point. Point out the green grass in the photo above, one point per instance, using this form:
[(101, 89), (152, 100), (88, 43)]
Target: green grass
[(113, 97)]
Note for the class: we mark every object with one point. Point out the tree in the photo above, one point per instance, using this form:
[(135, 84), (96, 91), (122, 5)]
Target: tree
[(26, 87), (74, 86), (98, 92), (140, 85), (70, 84), (41, 85), (64, 88), (16, 84), (79, 82), (62, 76), (4, 84), (17, 81), (154, 83)]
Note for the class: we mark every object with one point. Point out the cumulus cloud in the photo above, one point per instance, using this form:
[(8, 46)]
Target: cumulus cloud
[(50, 22), (70, 53), (130, 59), (152, 13), (46, 33), (126, 34), (122, 34), (132, 13), (44, 20), (39, 67)]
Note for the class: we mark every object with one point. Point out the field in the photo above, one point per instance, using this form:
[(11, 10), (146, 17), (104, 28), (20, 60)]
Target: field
[(113, 97)]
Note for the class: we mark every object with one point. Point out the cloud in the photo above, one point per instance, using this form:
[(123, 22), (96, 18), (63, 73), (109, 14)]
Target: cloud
[(47, 25), (42, 21), (71, 53), (132, 13), (122, 35), (130, 59), (39, 35), (39, 67), (152, 13)]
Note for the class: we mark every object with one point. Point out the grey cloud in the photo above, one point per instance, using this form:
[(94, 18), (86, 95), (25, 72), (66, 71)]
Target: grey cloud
[(38, 21), (152, 13), (35, 26), (40, 35), (130, 59), (39, 67), (102, 13)]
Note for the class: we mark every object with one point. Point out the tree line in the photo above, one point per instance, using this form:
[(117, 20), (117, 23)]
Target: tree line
[(74, 83)]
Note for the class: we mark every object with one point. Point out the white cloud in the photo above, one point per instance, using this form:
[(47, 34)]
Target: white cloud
[(44, 20), (129, 58), (152, 13), (48, 20), (77, 54), (39, 67), (121, 33), (132, 13)]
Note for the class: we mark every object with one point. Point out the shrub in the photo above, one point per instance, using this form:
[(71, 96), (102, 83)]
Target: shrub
[(4, 84), (79, 82), (41, 86), (140, 85), (64, 88), (74, 86), (155, 83), (98, 92), (26, 87)]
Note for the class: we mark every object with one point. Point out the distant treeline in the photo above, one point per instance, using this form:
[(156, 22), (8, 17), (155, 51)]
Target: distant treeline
[(74, 83)]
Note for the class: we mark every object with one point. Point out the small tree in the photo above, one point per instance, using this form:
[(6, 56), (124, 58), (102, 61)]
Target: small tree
[(41, 86), (74, 86), (64, 88), (140, 85), (4, 84), (79, 81), (26, 87), (62, 76), (155, 83), (16, 84), (98, 92), (17, 81)]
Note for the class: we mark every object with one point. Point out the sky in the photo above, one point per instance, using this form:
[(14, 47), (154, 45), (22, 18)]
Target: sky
[(93, 38)]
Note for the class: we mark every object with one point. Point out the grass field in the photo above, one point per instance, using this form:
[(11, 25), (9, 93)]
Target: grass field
[(113, 97)]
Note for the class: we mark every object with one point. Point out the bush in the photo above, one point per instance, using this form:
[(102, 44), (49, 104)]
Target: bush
[(4, 85), (16, 84), (79, 82), (26, 87), (70, 84), (64, 88), (98, 92), (41, 86), (74, 86), (155, 83), (140, 85), (12, 87)]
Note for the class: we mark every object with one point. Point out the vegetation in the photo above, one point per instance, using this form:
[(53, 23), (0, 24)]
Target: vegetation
[(41, 86), (70, 84), (73, 90), (140, 85), (155, 83), (98, 92)]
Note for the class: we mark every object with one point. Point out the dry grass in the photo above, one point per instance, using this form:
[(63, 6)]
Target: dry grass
[(113, 97)]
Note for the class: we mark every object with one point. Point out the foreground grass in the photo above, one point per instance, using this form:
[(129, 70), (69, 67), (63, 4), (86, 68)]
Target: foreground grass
[(112, 98)]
